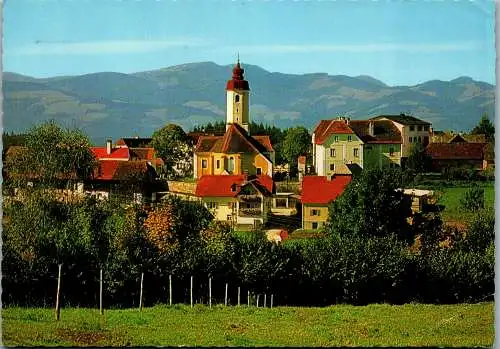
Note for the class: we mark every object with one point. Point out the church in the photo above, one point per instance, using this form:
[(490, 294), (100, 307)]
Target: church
[(236, 152)]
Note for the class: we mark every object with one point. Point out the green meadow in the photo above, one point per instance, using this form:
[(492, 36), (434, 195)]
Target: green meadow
[(462, 325)]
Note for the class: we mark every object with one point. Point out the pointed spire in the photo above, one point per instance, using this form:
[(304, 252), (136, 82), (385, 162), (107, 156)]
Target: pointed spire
[(238, 57)]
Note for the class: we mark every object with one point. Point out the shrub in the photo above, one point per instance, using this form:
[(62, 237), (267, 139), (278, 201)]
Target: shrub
[(473, 199)]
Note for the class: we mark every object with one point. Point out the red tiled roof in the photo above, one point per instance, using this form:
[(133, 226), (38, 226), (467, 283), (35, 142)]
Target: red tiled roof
[(319, 190), (326, 128), (142, 153), (221, 185), (265, 141), (384, 131), (120, 170), (116, 153), (449, 151), (235, 140)]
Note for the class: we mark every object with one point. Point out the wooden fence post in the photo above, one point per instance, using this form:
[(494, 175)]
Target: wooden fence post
[(258, 300), (170, 289), (140, 296), (191, 292), (272, 300), (248, 297), (100, 293), (238, 295), (265, 299), (225, 296), (58, 310), (210, 292)]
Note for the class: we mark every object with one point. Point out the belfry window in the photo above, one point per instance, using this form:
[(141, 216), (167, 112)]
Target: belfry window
[(237, 98)]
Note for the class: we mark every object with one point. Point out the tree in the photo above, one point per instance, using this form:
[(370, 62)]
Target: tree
[(171, 144), (372, 205), (418, 160), (486, 127), (52, 154), (297, 142)]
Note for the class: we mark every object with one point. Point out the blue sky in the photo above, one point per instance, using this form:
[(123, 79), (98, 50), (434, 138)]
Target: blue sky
[(398, 42)]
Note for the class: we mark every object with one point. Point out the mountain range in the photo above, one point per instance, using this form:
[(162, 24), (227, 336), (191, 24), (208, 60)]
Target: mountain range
[(115, 105)]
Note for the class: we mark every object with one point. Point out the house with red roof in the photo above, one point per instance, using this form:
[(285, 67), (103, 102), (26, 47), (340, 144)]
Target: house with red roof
[(126, 169), (412, 131), (235, 152), (128, 149), (317, 194), (243, 201), (341, 144)]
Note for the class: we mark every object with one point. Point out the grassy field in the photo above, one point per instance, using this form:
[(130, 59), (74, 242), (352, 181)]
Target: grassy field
[(342, 325), (450, 199)]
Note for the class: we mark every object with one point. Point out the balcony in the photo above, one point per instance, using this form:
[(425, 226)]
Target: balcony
[(250, 212)]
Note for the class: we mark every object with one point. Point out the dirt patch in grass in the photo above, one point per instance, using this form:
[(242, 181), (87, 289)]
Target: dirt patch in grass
[(80, 337)]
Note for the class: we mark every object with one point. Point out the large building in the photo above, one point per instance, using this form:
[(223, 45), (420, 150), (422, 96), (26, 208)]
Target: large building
[(236, 152), (384, 141)]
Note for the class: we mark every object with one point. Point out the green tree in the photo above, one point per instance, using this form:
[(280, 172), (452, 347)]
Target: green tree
[(297, 142), (486, 127), (418, 160), (52, 154), (372, 205), (171, 144)]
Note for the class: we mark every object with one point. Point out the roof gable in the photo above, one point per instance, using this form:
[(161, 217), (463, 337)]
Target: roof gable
[(384, 131), (402, 119), (326, 128), (235, 140)]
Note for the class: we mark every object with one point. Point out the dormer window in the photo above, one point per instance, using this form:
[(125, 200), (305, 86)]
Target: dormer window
[(233, 187), (349, 138), (336, 138)]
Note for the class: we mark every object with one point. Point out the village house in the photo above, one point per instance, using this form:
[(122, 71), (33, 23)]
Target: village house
[(236, 152), (342, 144), (413, 131), (241, 200), (317, 194)]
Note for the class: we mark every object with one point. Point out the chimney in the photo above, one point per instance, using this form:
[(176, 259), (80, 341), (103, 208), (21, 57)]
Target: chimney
[(108, 146), (370, 128)]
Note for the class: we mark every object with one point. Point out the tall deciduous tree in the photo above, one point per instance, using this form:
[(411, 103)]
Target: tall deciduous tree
[(171, 144), (486, 127), (372, 205), (52, 154), (297, 142)]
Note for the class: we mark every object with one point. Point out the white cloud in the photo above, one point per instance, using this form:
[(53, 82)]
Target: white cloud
[(103, 47), (369, 47)]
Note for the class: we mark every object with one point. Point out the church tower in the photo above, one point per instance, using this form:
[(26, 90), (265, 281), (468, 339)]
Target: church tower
[(237, 94)]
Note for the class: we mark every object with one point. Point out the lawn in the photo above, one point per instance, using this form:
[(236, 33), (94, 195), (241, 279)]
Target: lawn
[(342, 325), (450, 199)]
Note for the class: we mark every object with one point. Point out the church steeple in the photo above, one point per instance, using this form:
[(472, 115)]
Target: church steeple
[(237, 95)]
